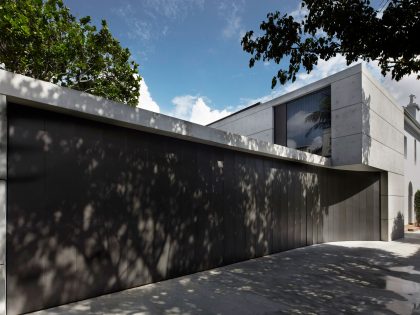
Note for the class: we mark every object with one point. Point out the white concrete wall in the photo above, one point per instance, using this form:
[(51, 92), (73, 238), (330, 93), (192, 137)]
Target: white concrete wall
[(257, 124), (257, 121), (367, 133), (346, 121), (412, 174), (383, 149)]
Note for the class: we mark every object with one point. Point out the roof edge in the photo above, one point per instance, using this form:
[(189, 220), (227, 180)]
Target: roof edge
[(48, 96)]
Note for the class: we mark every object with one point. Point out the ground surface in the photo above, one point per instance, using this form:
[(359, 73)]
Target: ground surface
[(333, 278)]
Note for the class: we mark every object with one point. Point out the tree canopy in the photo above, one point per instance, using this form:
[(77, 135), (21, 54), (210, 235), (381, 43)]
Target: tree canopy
[(43, 40), (388, 34)]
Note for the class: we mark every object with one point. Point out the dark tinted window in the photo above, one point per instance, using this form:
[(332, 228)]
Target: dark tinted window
[(308, 125), (305, 123)]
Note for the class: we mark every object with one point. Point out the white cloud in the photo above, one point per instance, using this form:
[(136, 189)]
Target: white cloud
[(195, 109), (299, 13), (231, 11), (322, 70), (172, 9), (400, 90), (145, 100), (187, 107), (297, 124), (148, 20), (140, 29)]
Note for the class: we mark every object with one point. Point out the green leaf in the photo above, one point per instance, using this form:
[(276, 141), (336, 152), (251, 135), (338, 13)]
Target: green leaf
[(44, 40)]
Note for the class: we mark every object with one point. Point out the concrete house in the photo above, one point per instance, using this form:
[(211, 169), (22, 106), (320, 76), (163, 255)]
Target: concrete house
[(97, 197), (411, 163), (350, 118)]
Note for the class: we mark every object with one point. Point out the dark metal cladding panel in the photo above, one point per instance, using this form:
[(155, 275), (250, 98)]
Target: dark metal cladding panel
[(268, 214), (217, 211), (181, 177), (316, 223), (362, 214), (310, 205), (141, 224), (26, 213), (94, 208), (261, 215), (280, 115), (328, 212), (340, 225), (203, 204), (356, 217), (276, 188), (302, 205), (297, 202), (291, 209), (247, 194), (244, 192), (369, 212), (335, 222), (323, 235), (230, 206), (89, 236), (63, 201), (157, 204), (348, 219), (284, 188), (376, 212)]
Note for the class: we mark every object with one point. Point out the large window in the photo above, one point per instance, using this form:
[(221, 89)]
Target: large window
[(305, 123)]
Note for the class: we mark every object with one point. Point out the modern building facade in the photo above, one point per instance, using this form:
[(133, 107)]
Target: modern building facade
[(352, 119), (97, 197), (411, 155)]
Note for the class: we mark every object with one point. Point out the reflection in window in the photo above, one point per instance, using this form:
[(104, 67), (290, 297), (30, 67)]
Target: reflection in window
[(309, 123)]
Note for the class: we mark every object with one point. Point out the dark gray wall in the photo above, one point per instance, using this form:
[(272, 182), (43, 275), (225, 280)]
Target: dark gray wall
[(94, 208)]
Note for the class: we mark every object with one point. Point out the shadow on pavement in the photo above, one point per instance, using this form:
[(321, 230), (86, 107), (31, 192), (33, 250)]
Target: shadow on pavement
[(344, 277)]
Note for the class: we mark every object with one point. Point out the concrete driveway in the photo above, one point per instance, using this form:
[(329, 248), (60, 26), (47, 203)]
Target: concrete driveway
[(333, 278)]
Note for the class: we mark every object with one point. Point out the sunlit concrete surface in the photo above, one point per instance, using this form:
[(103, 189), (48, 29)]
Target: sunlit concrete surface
[(332, 278)]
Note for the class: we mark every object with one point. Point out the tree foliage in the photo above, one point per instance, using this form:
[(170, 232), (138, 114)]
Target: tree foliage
[(43, 40), (353, 28)]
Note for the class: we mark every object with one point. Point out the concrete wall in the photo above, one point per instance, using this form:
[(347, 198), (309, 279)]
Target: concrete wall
[(383, 148), (346, 121), (367, 134), (257, 121), (411, 170), (254, 123)]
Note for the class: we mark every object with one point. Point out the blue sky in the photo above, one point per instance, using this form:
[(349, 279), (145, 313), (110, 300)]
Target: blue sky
[(190, 54)]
